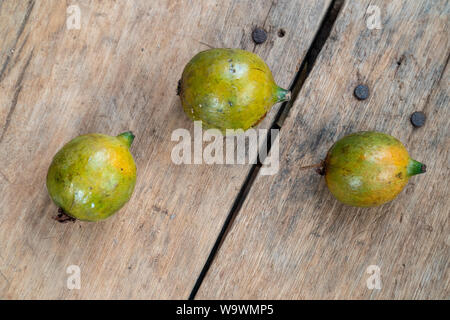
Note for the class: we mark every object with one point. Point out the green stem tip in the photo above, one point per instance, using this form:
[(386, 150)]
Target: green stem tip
[(283, 95), (127, 137), (415, 167)]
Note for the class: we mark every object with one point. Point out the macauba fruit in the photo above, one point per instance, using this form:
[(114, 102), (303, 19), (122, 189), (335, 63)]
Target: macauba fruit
[(92, 176), (228, 89), (368, 168)]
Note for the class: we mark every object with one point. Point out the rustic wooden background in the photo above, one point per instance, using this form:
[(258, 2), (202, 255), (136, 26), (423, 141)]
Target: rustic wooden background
[(290, 239)]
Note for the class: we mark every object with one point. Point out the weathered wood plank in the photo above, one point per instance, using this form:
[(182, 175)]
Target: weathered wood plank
[(119, 72), (292, 239)]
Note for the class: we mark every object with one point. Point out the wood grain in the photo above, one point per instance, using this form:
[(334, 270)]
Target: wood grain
[(119, 72), (292, 239)]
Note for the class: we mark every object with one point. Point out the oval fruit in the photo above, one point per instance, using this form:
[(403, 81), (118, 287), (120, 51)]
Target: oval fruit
[(92, 176), (368, 168), (228, 89)]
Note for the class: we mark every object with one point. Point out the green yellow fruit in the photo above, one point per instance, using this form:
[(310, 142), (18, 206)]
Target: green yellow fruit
[(92, 176), (368, 168), (228, 89)]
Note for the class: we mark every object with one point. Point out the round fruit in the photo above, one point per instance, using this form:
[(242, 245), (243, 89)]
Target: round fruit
[(368, 168), (92, 176), (228, 89)]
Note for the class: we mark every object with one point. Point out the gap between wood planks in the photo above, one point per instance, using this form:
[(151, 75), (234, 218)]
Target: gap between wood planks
[(305, 69)]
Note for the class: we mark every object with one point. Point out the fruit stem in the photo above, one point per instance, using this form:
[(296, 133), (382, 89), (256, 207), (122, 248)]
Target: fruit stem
[(320, 167), (283, 95), (415, 167), (127, 137), (316, 165)]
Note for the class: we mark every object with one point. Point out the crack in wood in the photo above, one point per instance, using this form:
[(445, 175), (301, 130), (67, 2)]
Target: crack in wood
[(19, 33), (443, 69), (7, 66), (318, 42), (18, 88), (435, 85), (321, 37)]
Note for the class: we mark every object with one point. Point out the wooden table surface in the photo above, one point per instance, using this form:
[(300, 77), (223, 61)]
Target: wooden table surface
[(224, 231)]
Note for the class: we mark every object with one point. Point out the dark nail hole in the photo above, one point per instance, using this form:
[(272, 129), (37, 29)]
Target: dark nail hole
[(281, 33)]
